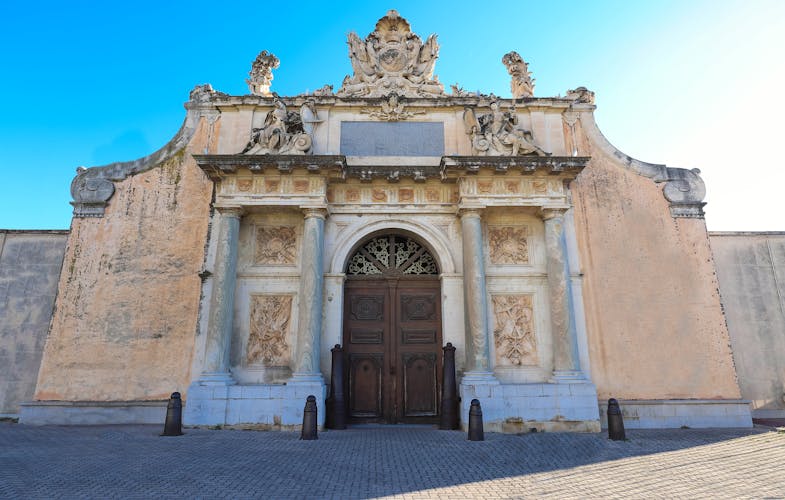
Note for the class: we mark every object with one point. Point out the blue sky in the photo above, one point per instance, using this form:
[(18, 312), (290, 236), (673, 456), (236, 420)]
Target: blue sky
[(686, 83)]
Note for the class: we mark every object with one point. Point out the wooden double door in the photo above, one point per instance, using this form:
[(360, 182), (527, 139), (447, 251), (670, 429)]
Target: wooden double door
[(392, 340)]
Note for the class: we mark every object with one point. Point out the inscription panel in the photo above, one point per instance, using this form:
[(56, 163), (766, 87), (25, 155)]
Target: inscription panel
[(392, 138)]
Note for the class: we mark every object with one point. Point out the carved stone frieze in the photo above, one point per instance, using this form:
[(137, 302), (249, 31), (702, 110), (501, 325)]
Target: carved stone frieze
[(261, 75), (276, 245), (522, 84), (508, 244), (270, 321), (513, 330), (391, 110), (498, 133), (283, 132), (392, 59)]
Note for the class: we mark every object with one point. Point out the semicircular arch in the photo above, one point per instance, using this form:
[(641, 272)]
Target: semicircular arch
[(354, 237)]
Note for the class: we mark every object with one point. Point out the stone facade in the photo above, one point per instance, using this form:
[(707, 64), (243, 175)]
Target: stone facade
[(218, 265)]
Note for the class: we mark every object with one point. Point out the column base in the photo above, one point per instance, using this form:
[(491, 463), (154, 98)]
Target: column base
[(215, 378), (568, 377)]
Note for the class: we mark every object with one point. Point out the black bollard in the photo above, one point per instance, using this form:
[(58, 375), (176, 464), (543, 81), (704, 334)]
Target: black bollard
[(174, 416), (449, 416), (309, 420), (336, 403), (615, 421), (475, 422)]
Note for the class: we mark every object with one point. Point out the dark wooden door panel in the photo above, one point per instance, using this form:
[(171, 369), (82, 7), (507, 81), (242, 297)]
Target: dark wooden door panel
[(419, 385), (392, 339), (365, 385)]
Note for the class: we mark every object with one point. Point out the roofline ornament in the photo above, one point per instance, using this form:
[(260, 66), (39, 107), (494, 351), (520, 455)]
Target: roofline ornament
[(392, 59)]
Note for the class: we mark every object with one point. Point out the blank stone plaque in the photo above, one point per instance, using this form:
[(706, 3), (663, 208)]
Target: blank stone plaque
[(392, 138)]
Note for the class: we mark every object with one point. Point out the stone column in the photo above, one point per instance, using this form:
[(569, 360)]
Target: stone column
[(219, 326), (475, 300), (566, 366), (311, 290)]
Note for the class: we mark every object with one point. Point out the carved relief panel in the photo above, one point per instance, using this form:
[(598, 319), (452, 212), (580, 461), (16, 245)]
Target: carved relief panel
[(275, 245), (513, 330), (508, 245), (270, 319)]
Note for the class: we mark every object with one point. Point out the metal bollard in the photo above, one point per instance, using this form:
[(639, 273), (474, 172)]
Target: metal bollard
[(173, 426), (475, 422), (336, 403), (615, 421), (309, 420), (449, 416)]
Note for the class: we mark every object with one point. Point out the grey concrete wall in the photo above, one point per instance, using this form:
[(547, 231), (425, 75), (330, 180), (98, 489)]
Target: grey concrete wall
[(751, 272), (30, 263)]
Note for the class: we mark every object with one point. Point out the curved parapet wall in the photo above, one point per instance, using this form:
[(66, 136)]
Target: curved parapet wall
[(684, 189)]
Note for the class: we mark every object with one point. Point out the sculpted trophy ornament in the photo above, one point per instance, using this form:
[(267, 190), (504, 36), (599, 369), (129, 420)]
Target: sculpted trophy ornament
[(392, 59), (261, 74), (522, 83), (284, 132), (498, 133)]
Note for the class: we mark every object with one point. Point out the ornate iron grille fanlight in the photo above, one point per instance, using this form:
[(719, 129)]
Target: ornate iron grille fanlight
[(396, 255)]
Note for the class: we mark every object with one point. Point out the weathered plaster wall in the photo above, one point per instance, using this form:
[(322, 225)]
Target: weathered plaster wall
[(129, 292), (751, 270), (655, 324), (30, 263)]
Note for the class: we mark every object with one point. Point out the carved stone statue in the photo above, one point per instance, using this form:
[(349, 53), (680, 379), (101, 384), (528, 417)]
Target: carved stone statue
[(282, 133), (392, 59), (522, 83), (261, 74), (391, 110), (498, 134)]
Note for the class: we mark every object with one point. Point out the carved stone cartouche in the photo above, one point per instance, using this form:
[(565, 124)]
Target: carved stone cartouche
[(392, 59)]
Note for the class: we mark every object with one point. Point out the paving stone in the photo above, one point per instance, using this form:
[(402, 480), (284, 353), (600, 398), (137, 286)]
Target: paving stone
[(392, 461)]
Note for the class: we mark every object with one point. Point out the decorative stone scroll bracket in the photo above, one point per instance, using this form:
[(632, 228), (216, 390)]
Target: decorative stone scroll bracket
[(684, 189)]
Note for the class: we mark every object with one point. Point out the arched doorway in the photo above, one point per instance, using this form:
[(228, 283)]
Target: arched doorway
[(392, 331)]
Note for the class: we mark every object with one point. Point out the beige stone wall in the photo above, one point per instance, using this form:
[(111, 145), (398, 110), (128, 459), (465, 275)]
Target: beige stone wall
[(751, 270), (129, 292), (655, 324)]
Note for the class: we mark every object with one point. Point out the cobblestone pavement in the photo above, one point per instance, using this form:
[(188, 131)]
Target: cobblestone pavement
[(404, 462)]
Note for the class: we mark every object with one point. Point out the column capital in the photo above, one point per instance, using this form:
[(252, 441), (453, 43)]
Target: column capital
[(230, 210), (315, 211), (470, 211), (551, 213)]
